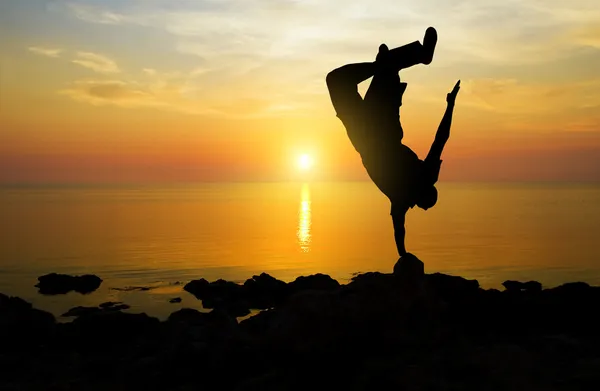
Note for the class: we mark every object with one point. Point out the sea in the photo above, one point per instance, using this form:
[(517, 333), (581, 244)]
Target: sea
[(160, 237)]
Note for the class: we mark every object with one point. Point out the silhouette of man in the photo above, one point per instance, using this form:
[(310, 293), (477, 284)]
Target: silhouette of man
[(374, 129)]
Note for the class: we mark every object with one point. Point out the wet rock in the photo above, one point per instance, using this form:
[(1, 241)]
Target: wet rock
[(198, 288), (220, 294), (175, 300), (81, 311), (59, 284), (21, 325), (109, 304), (409, 271), (104, 329), (188, 316), (321, 282), (104, 307), (264, 291), (452, 287), (134, 288), (516, 286)]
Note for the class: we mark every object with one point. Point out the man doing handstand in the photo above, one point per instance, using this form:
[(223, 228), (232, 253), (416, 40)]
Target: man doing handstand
[(373, 126)]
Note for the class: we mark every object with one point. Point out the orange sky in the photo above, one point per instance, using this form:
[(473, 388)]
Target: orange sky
[(172, 91)]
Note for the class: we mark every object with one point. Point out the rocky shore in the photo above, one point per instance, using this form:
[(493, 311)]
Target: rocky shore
[(378, 332)]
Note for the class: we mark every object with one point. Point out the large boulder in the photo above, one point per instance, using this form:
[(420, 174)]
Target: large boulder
[(264, 291), (517, 286), (319, 282), (220, 289), (60, 284), (21, 325)]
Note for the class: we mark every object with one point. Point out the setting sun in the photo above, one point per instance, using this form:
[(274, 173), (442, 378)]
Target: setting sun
[(305, 162)]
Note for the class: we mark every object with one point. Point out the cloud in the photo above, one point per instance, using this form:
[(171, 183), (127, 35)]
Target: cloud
[(96, 62), (149, 71), (178, 92), (249, 52), (111, 92), (48, 52), (588, 35), (93, 14)]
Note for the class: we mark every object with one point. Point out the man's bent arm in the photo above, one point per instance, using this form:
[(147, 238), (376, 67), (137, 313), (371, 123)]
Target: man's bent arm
[(350, 75), (343, 86)]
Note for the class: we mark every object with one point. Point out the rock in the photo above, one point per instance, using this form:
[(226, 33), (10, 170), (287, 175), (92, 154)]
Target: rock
[(109, 304), (214, 324), (516, 286), (198, 288), (118, 307), (104, 307), (218, 293), (133, 288), (452, 287), (409, 271), (106, 328), (572, 289), (175, 300), (58, 284), (21, 325), (188, 316), (321, 282), (80, 311), (265, 291)]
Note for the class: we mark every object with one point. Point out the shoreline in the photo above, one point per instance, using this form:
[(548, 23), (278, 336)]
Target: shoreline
[(379, 330)]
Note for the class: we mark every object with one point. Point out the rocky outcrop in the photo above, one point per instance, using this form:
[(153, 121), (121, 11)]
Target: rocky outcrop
[(60, 284), (376, 332)]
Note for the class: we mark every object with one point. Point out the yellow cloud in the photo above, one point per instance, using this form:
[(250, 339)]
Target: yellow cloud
[(588, 35), (48, 52), (96, 62)]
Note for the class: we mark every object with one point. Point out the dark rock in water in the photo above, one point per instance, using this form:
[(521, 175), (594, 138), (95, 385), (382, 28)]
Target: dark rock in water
[(133, 288), (198, 288), (321, 282), (234, 307), (110, 304), (265, 291), (118, 307), (215, 292), (104, 307), (516, 286), (175, 300), (59, 284), (81, 311)]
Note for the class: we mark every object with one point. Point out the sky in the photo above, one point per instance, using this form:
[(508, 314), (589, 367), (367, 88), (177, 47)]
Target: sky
[(159, 91)]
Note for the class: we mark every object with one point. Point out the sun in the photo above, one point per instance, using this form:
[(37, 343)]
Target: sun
[(305, 162)]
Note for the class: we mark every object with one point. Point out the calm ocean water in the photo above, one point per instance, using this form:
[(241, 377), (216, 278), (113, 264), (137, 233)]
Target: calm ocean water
[(158, 236)]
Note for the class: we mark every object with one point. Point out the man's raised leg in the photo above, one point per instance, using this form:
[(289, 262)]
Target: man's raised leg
[(414, 53)]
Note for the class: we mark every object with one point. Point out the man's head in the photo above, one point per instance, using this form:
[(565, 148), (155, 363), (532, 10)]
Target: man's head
[(427, 196)]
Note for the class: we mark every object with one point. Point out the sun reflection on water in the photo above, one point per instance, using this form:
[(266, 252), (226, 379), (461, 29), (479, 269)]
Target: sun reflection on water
[(304, 220)]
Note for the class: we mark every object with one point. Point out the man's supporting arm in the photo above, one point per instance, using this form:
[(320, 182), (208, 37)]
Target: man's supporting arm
[(398, 219)]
